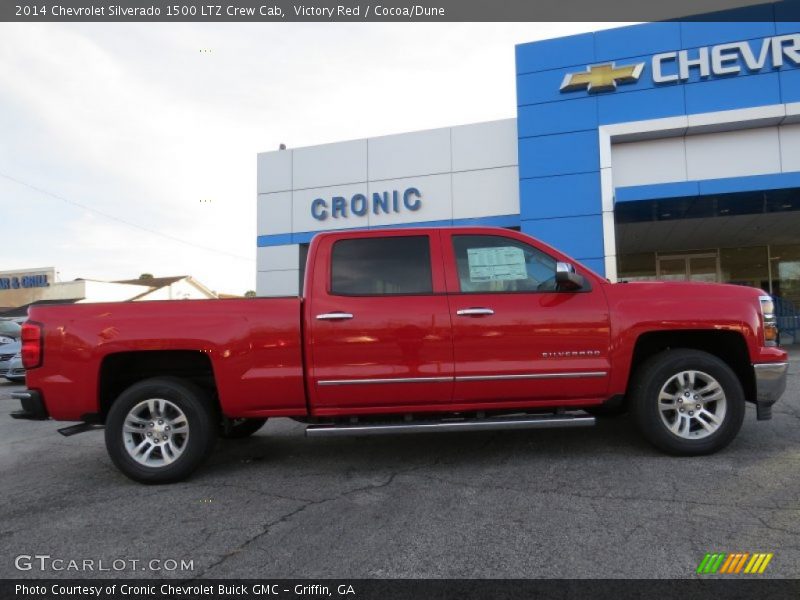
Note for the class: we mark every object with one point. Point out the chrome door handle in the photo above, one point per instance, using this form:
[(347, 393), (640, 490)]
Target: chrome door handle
[(334, 316), (474, 312)]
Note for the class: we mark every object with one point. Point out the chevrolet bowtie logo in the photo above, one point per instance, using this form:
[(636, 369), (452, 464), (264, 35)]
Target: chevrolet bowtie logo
[(601, 78)]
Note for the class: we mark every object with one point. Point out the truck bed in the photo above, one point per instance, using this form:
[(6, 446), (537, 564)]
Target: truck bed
[(253, 346)]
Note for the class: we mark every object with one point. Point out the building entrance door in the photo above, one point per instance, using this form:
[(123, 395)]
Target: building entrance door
[(689, 267)]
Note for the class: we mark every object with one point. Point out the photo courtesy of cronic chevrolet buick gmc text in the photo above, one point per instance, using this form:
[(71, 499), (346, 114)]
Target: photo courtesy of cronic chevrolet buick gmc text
[(407, 330)]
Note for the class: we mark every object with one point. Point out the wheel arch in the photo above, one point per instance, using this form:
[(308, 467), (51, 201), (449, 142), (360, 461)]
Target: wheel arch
[(729, 346), (121, 370)]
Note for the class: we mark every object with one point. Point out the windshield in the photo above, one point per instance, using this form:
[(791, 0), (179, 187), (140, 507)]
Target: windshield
[(9, 328)]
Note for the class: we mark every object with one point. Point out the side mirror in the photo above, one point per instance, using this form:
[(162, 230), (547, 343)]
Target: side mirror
[(567, 279)]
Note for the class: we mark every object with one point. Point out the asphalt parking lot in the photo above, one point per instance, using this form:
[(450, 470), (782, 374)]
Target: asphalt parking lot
[(563, 503)]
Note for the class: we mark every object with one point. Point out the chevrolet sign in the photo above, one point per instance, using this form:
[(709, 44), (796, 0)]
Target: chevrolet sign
[(601, 78), (671, 67)]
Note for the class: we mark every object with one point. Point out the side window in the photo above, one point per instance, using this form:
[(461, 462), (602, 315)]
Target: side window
[(490, 263), (381, 266)]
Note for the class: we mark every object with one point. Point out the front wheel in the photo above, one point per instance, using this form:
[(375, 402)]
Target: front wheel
[(160, 430), (687, 402)]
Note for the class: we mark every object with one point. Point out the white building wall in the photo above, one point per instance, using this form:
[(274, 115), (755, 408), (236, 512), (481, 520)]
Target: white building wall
[(757, 151), (463, 172)]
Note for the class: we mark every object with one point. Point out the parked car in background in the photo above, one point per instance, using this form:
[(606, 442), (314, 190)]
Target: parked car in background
[(9, 331), (15, 372), (11, 361)]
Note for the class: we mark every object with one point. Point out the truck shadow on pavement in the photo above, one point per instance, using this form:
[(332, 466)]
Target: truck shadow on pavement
[(288, 448)]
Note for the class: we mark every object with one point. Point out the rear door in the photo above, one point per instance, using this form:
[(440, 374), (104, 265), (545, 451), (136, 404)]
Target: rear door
[(379, 320), (516, 338)]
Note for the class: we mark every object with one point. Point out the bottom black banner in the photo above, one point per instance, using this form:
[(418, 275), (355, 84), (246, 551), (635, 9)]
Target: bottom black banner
[(400, 589)]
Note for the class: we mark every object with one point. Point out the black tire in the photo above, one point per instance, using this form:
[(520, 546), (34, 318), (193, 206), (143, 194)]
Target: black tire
[(655, 373), (237, 429), (200, 415)]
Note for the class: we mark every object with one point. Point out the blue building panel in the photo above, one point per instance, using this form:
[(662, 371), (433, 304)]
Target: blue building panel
[(555, 53), (560, 154), (535, 88), (752, 183), (790, 85), (785, 27), (557, 117), (303, 237), (641, 105), (595, 264), (734, 25), (732, 93), (560, 196), (580, 237), (656, 191), (276, 239), (636, 40)]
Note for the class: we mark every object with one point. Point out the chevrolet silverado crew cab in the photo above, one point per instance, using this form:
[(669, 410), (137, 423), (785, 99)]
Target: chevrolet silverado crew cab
[(407, 330)]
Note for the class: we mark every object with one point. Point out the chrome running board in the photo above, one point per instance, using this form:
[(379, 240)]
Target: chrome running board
[(550, 421)]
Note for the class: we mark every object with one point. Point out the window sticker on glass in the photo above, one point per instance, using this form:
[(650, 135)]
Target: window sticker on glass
[(504, 263)]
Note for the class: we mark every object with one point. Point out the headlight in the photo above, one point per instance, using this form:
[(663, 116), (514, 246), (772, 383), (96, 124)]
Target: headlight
[(6, 340), (770, 322)]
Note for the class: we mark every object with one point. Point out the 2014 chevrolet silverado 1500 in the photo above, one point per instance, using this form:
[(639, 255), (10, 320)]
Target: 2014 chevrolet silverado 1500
[(408, 330)]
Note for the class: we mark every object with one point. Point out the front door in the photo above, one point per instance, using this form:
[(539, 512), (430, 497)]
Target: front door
[(380, 334), (516, 338)]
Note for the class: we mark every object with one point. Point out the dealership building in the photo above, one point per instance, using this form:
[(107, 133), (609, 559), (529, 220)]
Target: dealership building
[(666, 150)]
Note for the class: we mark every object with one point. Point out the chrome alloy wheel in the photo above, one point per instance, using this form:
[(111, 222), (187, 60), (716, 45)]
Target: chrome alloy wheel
[(692, 404), (155, 432)]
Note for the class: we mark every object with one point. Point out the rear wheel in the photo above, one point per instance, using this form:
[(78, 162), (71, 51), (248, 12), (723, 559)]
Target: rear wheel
[(237, 429), (687, 402), (160, 430)]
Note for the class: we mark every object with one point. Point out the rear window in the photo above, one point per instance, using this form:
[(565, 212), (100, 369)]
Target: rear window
[(382, 266)]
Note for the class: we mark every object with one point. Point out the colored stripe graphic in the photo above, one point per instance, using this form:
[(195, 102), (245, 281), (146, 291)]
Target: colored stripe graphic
[(718, 563), (724, 563), (701, 568), (758, 563), (741, 562), (711, 562), (764, 564), (730, 563)]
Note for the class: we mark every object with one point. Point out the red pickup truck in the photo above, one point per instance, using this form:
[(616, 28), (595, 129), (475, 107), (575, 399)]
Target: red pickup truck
[(406, 330)]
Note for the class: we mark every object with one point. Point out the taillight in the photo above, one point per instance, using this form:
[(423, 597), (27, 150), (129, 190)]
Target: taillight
[(31, 344), (770, 322)]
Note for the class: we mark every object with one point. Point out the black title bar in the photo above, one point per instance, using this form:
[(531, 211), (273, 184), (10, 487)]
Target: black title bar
[(398, 589), (392, 10)]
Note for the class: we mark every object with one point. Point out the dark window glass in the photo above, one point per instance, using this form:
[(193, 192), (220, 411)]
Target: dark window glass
[(489, 263), (381, 266)]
